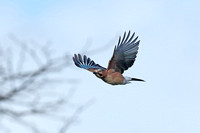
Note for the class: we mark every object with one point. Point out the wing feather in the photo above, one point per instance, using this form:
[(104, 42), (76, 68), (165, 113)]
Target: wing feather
[(86, 63), (124, 53)]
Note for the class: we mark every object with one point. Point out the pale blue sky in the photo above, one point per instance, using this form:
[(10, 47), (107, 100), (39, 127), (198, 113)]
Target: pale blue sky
[(168, 58)]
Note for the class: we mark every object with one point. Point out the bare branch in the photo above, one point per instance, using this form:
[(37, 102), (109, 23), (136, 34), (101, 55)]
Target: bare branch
[(16, 88), (75, 115), (25, 123), (29, 87), (103, 48)]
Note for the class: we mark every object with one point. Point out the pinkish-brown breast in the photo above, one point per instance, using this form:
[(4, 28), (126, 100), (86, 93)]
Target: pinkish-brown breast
[(114, 78)]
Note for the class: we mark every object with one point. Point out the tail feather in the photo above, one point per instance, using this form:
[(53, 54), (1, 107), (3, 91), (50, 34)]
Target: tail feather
[(135, 79)]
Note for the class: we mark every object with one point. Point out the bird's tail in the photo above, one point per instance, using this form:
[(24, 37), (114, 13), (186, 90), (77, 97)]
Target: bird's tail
[(133, 79)]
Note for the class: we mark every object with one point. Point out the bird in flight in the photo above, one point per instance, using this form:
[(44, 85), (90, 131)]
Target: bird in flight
[(123, 57)]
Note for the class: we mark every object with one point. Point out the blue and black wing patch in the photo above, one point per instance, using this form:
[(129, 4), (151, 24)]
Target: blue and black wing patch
[(86, 63)]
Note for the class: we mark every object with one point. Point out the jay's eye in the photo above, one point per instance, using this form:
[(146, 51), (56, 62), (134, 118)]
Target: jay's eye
[(100, 74)]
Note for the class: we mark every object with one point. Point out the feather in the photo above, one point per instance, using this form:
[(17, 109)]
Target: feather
[(124, 53), (86, 63)]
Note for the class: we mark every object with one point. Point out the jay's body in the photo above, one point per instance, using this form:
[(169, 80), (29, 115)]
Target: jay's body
[(111, 77), (123, 57)]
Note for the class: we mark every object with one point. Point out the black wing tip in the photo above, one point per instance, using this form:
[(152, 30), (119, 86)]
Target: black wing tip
[(137, 43), (79, 56), (76, 60), (129, 32), (126, 39)]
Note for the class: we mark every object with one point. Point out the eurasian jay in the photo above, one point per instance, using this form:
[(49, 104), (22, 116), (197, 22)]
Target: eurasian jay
[(123, 57)]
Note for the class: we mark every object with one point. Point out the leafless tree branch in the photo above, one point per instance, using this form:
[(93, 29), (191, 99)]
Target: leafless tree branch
[(29, 74), (25, 89), (75, 115)]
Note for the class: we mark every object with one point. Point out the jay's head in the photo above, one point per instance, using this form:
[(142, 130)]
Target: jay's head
[(98, 73)]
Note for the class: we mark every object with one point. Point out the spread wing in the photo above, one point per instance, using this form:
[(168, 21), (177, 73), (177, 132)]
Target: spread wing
[(124, 53), (86, 63)]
